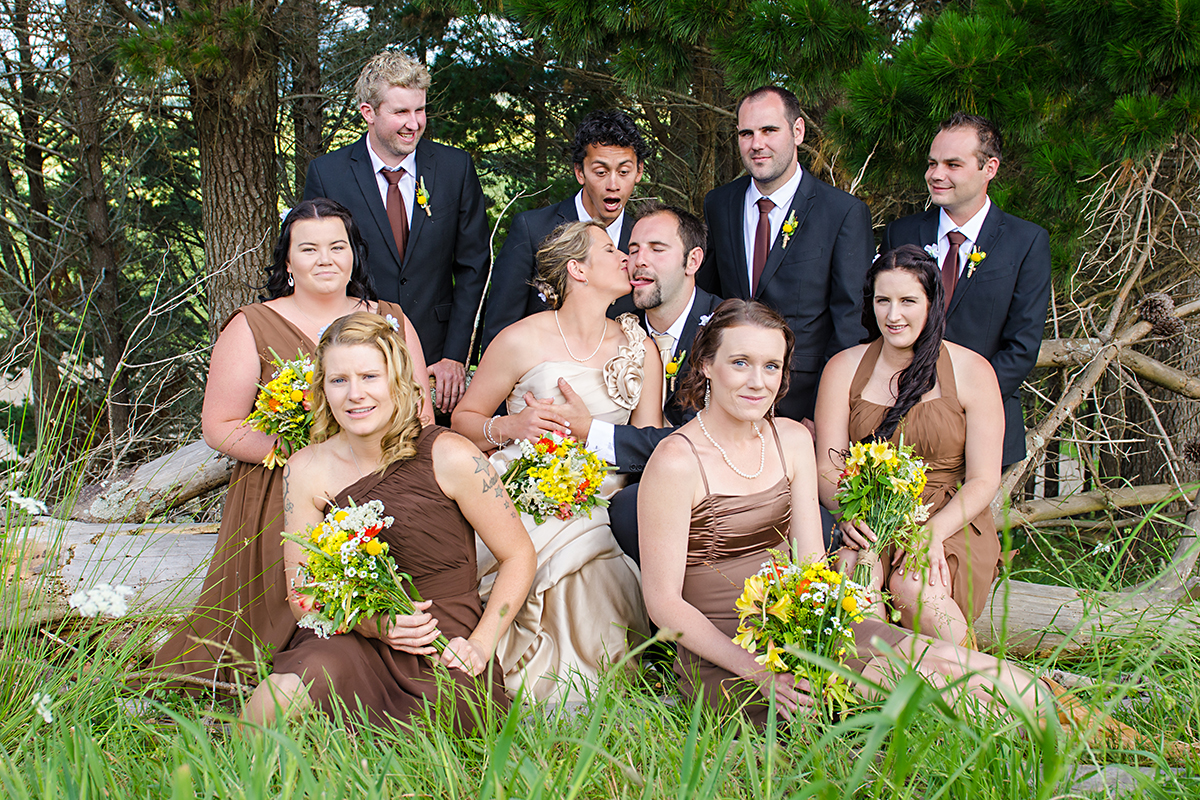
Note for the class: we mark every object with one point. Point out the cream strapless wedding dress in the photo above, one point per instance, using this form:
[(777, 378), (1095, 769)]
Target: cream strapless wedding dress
[(585, 604)]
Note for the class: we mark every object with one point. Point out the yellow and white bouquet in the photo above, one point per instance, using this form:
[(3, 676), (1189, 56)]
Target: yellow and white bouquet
[(882, 486), (283, 408), (347, 574), (556, 476), (788, 607)]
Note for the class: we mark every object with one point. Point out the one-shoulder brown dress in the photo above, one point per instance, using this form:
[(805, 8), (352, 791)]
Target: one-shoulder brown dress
[(431, 541), (727, 543), (937, 431), (242, 615)]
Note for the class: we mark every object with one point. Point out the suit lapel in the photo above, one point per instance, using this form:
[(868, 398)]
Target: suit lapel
[(989, 235), (929, 227), (426, 169), (369, 186), (801, 204), (735, 213)]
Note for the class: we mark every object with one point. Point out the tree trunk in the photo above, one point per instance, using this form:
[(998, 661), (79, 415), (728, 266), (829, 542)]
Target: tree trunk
[(235, 125), (88, 87), (303, 47)]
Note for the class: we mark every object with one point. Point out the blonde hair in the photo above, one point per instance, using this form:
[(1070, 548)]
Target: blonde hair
[(386, 70), (372, 330), (568, 242)]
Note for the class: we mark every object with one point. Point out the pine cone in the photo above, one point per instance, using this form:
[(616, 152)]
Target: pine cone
[(1191, 451), (1156, 307), (1168, 327)]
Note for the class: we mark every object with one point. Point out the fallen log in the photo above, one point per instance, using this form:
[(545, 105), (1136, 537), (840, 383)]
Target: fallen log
[(138, 494), (1087, 502)]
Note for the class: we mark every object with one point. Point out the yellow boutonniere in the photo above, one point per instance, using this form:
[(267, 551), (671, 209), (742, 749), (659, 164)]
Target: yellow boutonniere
[(423, 197), (789, 227), (974, 260), (672, 367)]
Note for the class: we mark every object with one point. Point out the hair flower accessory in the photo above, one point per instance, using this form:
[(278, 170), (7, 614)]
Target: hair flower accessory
[(395, 323), (789, 227), (672, 367), (974, 260), (423, 197), (704, 318), (931, 249)]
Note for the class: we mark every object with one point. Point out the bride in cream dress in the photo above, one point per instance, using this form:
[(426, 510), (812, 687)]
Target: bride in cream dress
[(586, 599)]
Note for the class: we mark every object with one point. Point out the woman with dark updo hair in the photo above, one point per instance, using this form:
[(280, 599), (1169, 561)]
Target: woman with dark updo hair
[(318, 275), (945, 402)]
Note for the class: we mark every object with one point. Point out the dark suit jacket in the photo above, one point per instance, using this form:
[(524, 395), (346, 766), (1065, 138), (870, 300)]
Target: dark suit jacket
[(510, 296), (440, 280), (634, 445), (1000, 310), (815, 282)]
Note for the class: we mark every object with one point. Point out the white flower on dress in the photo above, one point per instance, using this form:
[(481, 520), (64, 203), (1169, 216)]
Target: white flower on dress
[(27, 504), (623, 372), (41, 705), (101, 599)]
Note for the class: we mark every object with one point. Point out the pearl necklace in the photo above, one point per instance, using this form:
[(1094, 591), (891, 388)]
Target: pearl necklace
[(564, 338), (762, 455)]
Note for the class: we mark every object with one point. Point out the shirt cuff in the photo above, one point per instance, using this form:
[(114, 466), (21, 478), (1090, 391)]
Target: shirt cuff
[(600, 440)]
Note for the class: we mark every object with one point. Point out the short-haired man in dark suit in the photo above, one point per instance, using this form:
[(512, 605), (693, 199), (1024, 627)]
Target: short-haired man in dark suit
[(609, 154), (781, 236), (995, 267), (420, 208)]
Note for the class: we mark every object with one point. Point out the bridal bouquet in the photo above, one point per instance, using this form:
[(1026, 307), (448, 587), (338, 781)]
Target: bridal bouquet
[(556, 476), (282, 408), (348, 575), (788, 607), (882, 486)]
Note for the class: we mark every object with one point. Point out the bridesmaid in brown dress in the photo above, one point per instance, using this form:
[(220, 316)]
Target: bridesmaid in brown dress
[(905, 382), (318, 275), (441, 491), (694, 565)]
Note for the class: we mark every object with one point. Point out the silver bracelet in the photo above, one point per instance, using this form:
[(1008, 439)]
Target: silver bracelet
[(487, 433)]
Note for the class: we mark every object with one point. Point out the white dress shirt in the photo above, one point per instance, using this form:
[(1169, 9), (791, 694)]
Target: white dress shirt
[(970, 230), (782, 198), (614, 230), (408, 182), (601, 436)]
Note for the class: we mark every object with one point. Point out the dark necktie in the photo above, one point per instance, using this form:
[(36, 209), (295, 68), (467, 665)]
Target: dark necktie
[(396, 212), (950, 264), (762, 241)]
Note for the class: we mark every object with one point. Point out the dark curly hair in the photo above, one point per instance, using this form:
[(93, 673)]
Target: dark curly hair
[(361, 284), (608, 129), (730, 314), (921, 375)]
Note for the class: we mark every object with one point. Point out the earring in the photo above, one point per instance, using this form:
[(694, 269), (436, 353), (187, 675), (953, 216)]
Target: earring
[(291, 282), (707, 393)]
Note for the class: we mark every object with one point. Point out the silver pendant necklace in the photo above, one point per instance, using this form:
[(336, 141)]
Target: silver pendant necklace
[(762, 455), (564, 338)]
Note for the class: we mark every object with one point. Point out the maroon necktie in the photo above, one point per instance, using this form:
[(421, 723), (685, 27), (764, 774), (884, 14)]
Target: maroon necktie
[(762, 241), (396, 212), (950, 264)]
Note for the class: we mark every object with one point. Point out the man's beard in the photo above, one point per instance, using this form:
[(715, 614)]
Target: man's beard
[(654, 300)]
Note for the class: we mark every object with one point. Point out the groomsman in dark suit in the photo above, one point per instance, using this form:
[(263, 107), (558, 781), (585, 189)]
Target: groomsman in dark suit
[(666, 248), (995, 267), (781, 236), (609, 154), (420, 208)]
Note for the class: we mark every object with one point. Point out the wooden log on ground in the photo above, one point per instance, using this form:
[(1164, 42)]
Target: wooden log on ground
[(138, 494), (42, 566)]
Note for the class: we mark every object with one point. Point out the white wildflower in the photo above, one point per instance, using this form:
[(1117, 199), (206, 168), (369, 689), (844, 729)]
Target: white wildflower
[(101, 599), (27, 504), (321, 627), (41, 705), (1102, 547)]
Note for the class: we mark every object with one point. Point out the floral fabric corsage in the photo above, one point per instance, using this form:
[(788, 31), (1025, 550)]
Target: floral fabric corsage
[(672, 367), (789, 227), (974, 260), (423, 197)]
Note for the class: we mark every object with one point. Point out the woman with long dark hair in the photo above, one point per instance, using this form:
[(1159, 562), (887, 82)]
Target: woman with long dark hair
[(945, 402), (318, 275)]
